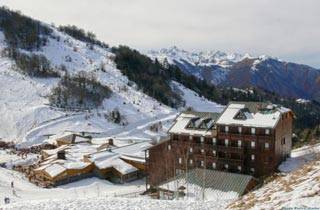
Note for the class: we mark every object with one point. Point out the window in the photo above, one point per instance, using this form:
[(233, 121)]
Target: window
[(283, 141), (180, 160), (252, 170), (202, 163), (239, 143), (169, 147), (214, 140), (190, 150), (226, 166), (253, 144), (266, 145), (202, 151), (239, 129), (226, 129), (252, 157), (201, 139), (267, 131), (239, 168), (191, 161), (147, 153), (190, 137), (214, 165), (253, 131), (226, 142), (214, 152)]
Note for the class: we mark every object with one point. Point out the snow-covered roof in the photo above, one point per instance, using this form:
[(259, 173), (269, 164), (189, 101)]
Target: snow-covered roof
[(136, 149), (76, 165), (55, 151), (108, 159), (136, 159), (182, 122), (123, 167), (55, 169), (79, 139), (255, 114)]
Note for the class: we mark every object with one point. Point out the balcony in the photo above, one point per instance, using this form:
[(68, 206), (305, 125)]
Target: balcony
[(230, 149), (231, 161), (244, 135), (204, 156), (193, 144)]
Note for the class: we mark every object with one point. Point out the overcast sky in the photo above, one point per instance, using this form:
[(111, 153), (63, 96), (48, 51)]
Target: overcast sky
[(288, 29)]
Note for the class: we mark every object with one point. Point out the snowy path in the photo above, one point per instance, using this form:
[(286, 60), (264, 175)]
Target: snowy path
[(33, 137), (299, 157), (141, 125)]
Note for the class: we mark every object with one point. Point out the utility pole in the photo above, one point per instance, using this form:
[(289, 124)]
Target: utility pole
[(204, 176)]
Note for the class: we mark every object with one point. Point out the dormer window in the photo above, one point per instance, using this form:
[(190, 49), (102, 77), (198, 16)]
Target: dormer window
[(241, 115)]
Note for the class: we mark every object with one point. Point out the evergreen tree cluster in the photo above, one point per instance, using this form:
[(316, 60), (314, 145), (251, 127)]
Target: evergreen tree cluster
[(150, 76), (80, 92), (21, 31), (82, 35)]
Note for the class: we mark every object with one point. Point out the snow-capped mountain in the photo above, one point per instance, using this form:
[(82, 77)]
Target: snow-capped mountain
[(173, 54), (236, 70)]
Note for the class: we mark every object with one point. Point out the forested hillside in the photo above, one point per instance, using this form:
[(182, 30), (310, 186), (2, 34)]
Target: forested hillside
[(154, 79)]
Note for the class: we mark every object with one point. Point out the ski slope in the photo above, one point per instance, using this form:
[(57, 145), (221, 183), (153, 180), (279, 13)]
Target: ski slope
[(27, 118)]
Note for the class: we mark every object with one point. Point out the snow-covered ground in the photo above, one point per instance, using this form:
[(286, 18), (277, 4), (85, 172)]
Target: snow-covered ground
[(299, 188), (27, 118), (111, 203)]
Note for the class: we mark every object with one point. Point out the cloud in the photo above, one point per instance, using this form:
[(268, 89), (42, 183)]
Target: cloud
[(288, 29)]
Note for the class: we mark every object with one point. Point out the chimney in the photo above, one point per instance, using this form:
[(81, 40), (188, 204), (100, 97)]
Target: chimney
[(61, 155), (111, 142)]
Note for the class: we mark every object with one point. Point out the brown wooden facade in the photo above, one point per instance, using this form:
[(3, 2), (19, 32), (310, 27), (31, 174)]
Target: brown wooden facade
[(234, 149)]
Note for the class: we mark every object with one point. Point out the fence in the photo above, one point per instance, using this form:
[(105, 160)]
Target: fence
[(204, 184)]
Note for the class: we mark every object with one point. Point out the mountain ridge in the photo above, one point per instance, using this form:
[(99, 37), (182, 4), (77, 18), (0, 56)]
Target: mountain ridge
[(243, 71)]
